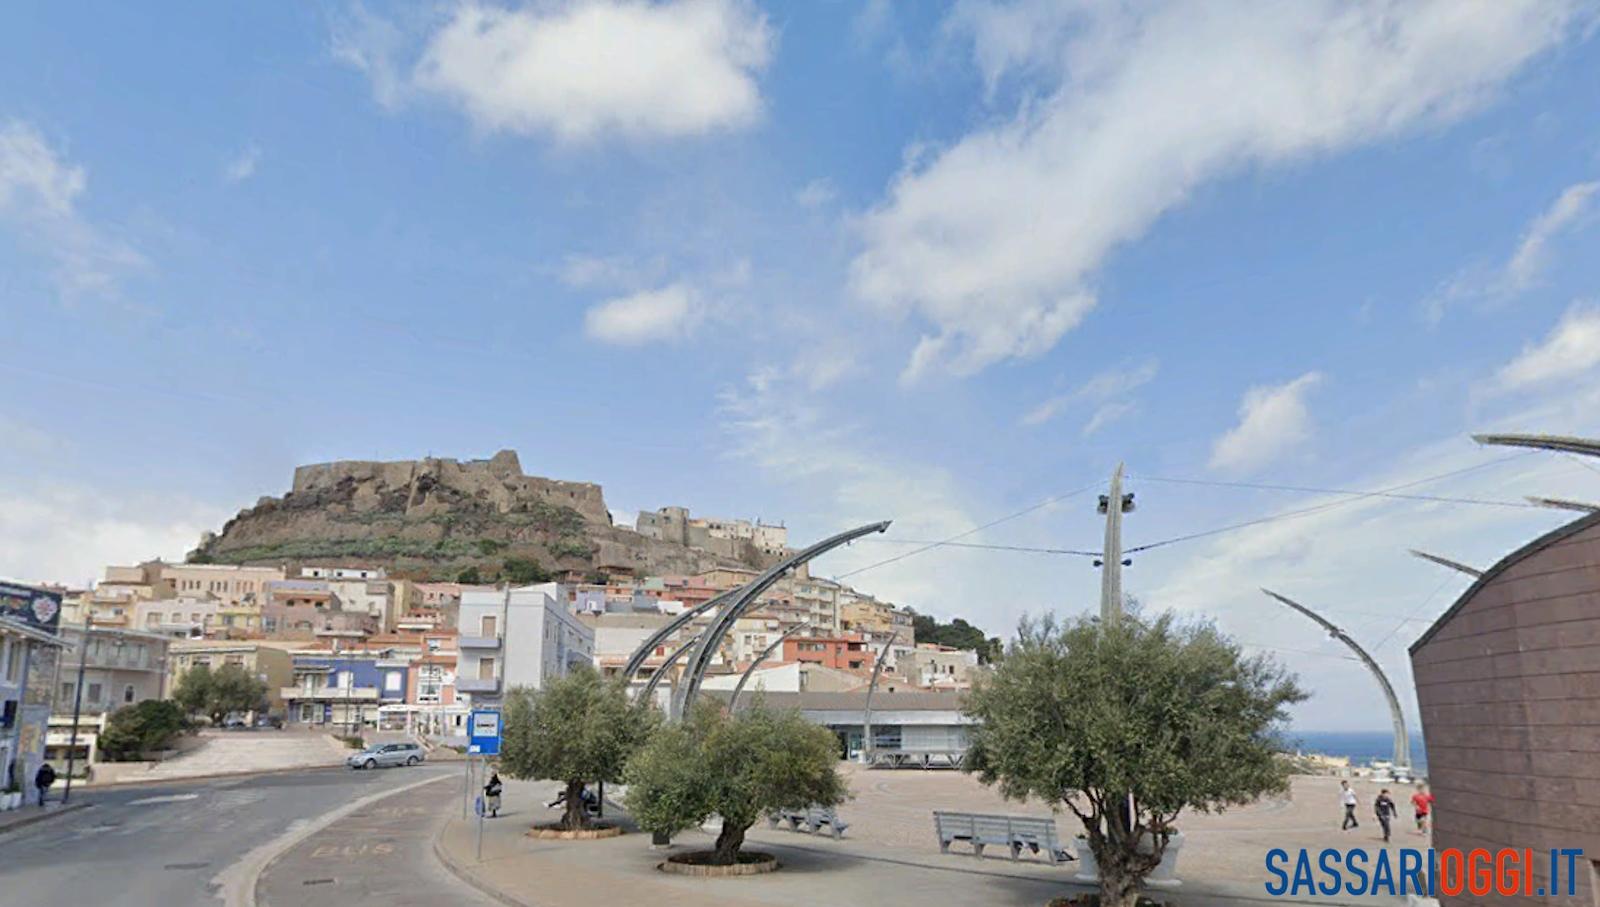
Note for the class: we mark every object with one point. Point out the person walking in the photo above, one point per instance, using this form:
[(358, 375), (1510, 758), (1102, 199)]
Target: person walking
[(1384, 807), (491, 795), (1422, 803), (1348, 798), (42, 779)]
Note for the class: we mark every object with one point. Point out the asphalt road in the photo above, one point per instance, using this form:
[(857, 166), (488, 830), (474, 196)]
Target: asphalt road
[(166, 845), (381, 854)]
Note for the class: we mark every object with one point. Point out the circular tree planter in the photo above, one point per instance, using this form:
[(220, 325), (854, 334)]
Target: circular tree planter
[(557, 833), (698, 864)]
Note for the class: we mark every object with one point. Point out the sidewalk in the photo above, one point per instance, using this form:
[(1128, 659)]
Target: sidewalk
[(28, 815), (856, 870)]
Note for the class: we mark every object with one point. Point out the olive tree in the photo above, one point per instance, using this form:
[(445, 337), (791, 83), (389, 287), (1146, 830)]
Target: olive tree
[(737, 767), (576, 729), (1087, 713)]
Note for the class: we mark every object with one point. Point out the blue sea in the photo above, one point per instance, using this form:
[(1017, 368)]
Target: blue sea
[(1361, 746)]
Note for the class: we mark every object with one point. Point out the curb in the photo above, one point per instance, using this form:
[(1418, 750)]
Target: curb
[(214, 776), (41, 817), (466, 876)]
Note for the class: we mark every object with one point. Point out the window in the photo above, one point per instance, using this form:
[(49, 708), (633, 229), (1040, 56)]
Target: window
[(127, 693), (94, 692), (392, 682), (486, 669), (344, 680), (66, 691), (489, 624), (14, 655)]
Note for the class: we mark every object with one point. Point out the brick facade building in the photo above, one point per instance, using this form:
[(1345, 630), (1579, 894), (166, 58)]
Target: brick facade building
[(1508, 681)]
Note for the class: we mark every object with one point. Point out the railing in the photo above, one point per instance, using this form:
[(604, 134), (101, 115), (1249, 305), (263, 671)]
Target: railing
[(470, 685), (478, 642)]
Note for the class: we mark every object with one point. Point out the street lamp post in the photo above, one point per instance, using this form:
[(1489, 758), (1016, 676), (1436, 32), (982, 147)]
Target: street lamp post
[(77, 705)]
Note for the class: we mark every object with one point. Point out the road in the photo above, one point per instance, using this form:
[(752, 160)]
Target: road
[(180, 844)]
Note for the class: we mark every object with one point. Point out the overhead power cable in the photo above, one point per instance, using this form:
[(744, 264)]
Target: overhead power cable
[(929, 546), (1443, 499), (1317, 508), (1026, 548)]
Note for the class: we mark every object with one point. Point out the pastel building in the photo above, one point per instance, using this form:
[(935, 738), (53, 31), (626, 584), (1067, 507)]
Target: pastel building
[(517, 637), (345, 691)]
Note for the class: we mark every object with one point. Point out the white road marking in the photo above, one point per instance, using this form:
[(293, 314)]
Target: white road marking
[(169, 798)]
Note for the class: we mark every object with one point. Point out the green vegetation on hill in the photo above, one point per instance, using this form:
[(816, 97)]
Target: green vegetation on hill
[(958, 634)]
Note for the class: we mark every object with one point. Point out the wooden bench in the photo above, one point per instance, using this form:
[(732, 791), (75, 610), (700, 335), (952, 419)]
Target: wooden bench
[(1014, 832), (813, 818)]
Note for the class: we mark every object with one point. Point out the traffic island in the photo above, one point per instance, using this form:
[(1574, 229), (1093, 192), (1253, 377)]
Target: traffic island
[(698, 863), (555, 832)]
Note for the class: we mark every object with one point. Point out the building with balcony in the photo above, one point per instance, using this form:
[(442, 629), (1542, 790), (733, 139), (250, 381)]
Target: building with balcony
[(344, 691), (30, 652), (179, 618), (517, 637), (846, 653), (273, 665), (120, 668)]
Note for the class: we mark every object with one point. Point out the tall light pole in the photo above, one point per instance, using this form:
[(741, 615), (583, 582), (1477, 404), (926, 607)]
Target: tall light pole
[(1113, 504), (77, 705)]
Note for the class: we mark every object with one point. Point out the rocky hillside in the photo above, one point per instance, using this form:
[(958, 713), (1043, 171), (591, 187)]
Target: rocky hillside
[(433, 519)]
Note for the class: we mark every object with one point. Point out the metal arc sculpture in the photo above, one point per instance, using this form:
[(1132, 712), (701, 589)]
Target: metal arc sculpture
[(733, 703), (661, 672), (1402, 738), (866, 710), (1562, 443), (683, 696), (637, 659)]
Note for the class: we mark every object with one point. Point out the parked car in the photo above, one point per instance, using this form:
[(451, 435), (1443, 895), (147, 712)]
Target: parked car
[(386, 754)]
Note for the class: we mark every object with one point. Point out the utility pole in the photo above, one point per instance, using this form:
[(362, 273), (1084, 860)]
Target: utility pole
[(77, 706), (1113, 504)]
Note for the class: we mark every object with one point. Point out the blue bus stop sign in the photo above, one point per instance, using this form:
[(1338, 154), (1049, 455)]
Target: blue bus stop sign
[(483, 732)]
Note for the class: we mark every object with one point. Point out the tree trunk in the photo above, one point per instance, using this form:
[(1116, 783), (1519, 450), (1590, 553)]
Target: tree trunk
[(1118, 886), (577, 815), (729, 840)]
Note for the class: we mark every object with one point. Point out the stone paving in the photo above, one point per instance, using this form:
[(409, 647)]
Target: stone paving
[(890, 857), (229, 752)]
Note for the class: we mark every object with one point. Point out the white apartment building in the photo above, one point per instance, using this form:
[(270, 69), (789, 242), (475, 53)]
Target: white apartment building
[(517, 637), (182, 618)]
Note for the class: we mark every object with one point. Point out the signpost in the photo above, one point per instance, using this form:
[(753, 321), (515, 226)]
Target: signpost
[(483, 739)]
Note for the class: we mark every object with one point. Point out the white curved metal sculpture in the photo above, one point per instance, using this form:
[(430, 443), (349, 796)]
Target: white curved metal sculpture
[(733, 703), (1402, 737), (700, 656)]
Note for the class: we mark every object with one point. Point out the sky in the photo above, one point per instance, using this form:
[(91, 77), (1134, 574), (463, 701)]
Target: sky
[(825, 264)]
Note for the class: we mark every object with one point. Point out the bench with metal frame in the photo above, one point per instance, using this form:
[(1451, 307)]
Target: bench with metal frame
[(813, 818), (1016, 833)]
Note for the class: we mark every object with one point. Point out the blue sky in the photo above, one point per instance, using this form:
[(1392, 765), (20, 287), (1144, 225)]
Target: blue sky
[(824, 263)]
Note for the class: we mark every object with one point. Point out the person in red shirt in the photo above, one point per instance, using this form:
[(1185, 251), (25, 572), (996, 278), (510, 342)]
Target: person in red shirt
[(1422, 801)]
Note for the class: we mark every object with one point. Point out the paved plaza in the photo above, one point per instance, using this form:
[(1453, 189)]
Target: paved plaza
[(889, 856)]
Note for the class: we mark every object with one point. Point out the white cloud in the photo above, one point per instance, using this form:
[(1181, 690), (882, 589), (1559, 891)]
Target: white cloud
[(1272, 421), (1529, 259), (816, 194), (39, 195), (373, 45), (69, 533), (649, 316), (590, 68), (1106, 415), (846, 482), (995, 240), (1571, 348), (1350, 559), (1106, 391), (1525, 265), (242, 166)]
